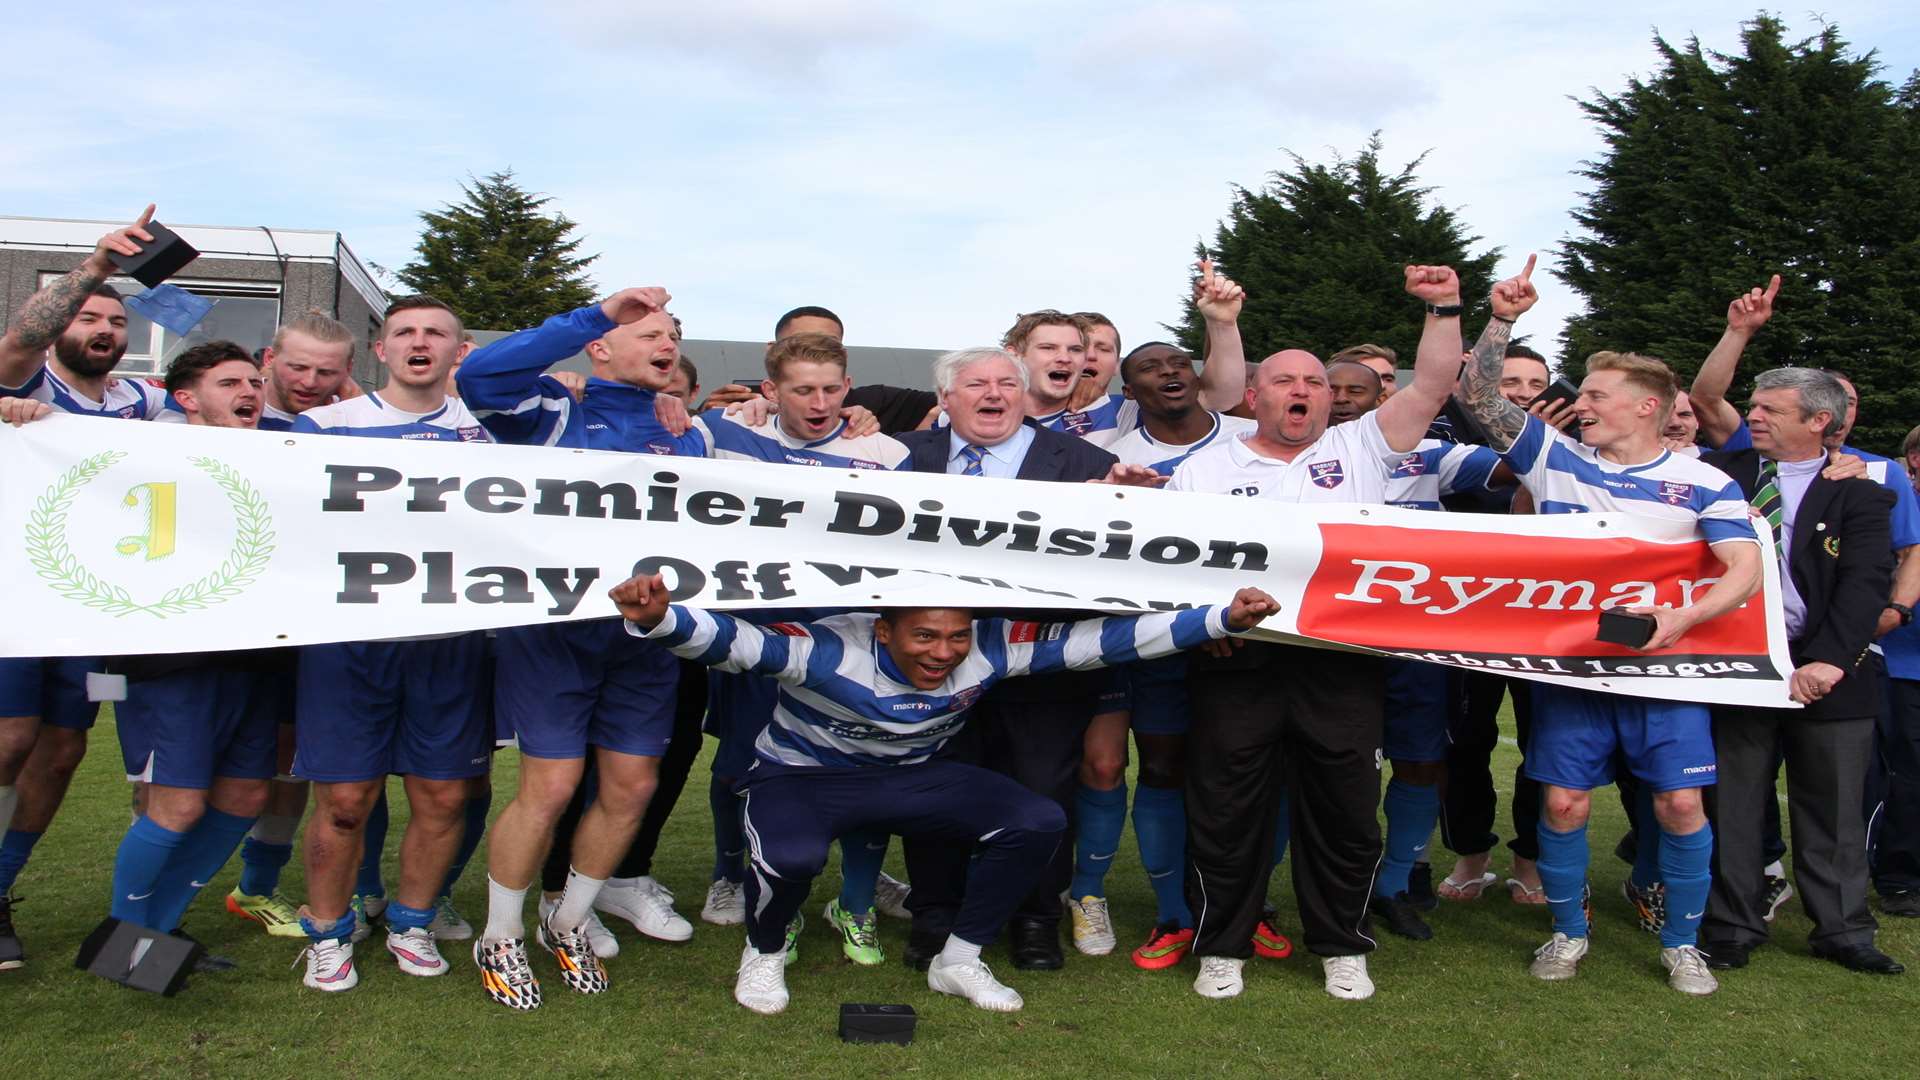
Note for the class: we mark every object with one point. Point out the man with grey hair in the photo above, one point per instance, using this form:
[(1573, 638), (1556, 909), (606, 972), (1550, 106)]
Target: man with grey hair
[(1832, 539), (1029, 729)]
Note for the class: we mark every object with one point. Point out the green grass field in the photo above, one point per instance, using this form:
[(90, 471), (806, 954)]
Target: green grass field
[(1461, 1005)]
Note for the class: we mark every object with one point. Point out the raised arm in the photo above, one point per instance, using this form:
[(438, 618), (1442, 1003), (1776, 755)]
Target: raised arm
[(1223, 378), (719, 641), (47, 313), (1480, 381), (1032, 648), (1405, 416), (1720, 418)]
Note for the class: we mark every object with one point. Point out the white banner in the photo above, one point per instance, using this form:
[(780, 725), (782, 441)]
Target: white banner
[(144, 538)]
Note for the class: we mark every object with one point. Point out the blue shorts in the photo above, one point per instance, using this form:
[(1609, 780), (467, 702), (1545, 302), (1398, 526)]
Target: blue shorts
[(55, 690), (1415, 728), (565, 686), (184, 729), (1158, 689), (373, 708), (1667, 744), (739, 707)]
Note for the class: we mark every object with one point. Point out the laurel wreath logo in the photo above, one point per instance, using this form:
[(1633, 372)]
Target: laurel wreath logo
[(53, 560)]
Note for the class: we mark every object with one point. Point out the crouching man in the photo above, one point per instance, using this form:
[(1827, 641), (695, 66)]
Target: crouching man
[(865, 702)]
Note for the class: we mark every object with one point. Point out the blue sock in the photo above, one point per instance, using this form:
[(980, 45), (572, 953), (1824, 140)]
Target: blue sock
[(1101, 816), (369, 882), (1646, 840), (1686, 864), (401, 918), (1283, 829), (476, 827), (341, 929), (1563, 875), (1160, 826), (260, 866), (861, 855), (1412, 811), (195, 862), (14, 850), (729, 839), (144, 853)]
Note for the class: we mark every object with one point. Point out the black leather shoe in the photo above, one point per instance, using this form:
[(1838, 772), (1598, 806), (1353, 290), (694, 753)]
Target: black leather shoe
[(1399, 916), (1420, 887), (1905, 905), (1864, 958), (1035, 945), (922, 947), (1725, 955)]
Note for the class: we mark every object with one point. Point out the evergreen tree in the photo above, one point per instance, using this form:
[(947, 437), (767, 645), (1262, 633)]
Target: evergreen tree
[(1789, 158), (499, 260), (1321, 250)]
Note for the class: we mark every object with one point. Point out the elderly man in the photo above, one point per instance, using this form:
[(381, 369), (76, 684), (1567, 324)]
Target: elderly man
[(1831, 538)]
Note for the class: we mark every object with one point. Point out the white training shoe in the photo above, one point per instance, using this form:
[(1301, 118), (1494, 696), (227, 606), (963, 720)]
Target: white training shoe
[(890, 897), (648, 906), (1220, 977), (1092, 925), (727, 903), (1687, 971), (417, 952), (447, 924), (605, 945), (762, 982), (1347, 977), (1559, 958), (975, 982), (330, 966)]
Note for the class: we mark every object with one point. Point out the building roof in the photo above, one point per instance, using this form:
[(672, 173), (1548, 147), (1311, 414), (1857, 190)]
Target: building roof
[(214, 241), (721, 362)]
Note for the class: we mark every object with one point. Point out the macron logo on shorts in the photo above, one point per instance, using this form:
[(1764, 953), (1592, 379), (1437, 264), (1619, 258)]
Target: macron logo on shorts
[(1693, 769)]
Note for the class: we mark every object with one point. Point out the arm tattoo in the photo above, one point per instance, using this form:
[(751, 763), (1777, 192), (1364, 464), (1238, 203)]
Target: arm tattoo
[(1480, 387), (49, 312)]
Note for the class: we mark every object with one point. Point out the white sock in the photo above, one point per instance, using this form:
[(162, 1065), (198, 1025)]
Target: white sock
[(1774, 869), (576, 902), (275, 828), (506, 912), (959, 952), (7, 803)]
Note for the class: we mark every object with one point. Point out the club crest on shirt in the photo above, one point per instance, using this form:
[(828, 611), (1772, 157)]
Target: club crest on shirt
[(473, 433), (859, 464), (660, 448), (964, 699), (1326, 474), (1674, 493), (1078, 423), (1413, 464)]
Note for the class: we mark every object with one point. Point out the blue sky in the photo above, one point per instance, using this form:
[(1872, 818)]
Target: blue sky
[(927, 171)]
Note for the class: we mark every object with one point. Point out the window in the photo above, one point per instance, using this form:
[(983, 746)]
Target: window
[(244, 312)]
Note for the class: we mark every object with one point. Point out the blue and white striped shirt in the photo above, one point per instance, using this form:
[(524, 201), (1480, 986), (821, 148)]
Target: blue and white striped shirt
[(842, 702), (734, 441), (1566, 477), (369, 417), (1137, 447), (1436, 468), (124, 399)]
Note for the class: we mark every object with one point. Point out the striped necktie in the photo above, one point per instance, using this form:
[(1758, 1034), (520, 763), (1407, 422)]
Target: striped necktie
[(1767, 500), (973, 454)]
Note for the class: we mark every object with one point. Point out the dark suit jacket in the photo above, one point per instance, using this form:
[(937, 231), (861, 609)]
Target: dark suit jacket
[(1052, 456), (1842, 564)]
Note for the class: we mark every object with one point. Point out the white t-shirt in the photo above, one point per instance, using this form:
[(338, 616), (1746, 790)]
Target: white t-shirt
[(1350, 463)]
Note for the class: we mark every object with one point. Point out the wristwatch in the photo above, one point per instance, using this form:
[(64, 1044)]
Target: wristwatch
[(1905, 612), (1446, 311)]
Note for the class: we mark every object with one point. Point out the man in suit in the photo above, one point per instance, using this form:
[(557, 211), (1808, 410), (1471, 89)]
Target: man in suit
[(1832, 539), (1031, 728)]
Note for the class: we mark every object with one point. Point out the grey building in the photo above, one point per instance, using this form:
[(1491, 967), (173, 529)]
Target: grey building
[(258, 277), (720, 362)]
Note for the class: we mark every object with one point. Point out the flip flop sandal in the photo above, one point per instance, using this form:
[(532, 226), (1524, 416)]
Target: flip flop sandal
[(1463, 891), (1523, 895)]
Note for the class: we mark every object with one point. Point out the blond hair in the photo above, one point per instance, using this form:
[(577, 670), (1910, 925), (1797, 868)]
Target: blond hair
[(1643, 373), (319, 326), (1015, 340), (805, 349)]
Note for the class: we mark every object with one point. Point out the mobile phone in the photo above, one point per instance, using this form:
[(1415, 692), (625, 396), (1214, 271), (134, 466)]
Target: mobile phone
[(1558, 391), (1630, 628)]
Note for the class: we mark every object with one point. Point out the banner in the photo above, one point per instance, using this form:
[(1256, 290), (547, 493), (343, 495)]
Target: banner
[(146, 538)]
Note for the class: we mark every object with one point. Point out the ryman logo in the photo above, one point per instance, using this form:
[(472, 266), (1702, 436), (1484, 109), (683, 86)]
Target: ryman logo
[(61, 559)]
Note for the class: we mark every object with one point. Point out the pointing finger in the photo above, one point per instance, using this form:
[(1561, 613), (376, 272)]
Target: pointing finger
[(1773, 288), (1527, 274)]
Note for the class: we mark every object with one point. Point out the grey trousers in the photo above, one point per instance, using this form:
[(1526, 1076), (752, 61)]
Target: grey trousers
[(1826, 774)]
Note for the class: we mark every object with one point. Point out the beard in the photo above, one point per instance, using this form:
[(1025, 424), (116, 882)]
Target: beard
[(75, 355)]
